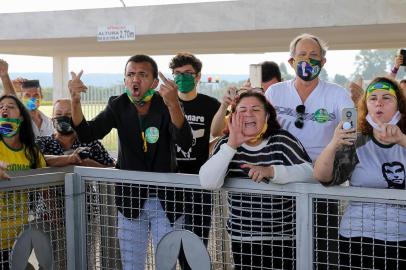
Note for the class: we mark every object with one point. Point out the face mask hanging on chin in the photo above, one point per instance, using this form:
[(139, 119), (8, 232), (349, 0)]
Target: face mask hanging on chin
[(9, 127), (144, 99), (395, 119)]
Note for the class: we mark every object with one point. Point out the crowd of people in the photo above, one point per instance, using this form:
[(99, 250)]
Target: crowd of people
[(282, 132)]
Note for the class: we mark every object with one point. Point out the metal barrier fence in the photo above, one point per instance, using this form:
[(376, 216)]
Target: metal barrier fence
[(293, 226), (243, 226), (32, 214)]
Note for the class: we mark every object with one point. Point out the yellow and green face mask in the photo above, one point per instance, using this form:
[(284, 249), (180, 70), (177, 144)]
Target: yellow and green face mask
[(31, 103), (381, 86), (144, 99), (9, 127)]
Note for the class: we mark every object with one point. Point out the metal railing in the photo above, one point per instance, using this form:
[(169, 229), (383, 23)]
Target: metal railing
[(32, 215), (302, 221)]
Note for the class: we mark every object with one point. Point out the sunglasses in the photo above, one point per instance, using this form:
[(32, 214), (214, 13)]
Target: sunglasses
[(250, 90), (300, 110)]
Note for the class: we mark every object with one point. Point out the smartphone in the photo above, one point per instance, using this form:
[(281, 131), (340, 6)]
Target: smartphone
[(162, 77), (30, 84), (403, 52), (256, 75), (349, 118), (84, 152)]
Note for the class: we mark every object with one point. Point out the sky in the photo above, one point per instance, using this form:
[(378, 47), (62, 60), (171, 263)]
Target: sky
[(341, 62)]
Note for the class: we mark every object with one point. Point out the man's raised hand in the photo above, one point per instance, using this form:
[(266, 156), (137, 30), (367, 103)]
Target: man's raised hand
[(168, 91), (76, 86), (3, 68)]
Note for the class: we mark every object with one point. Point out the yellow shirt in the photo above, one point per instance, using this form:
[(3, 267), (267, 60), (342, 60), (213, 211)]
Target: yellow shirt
[(13, 204)]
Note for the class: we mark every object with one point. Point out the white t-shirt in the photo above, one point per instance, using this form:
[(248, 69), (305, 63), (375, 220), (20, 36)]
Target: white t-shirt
[(375, 166), (322, 112), (46, 129)]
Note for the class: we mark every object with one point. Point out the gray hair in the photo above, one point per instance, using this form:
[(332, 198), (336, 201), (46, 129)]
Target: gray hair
[(322, 44), (59, 101)]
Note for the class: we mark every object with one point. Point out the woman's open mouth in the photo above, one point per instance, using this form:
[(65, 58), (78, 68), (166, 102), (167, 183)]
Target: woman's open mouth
[(250, 124)]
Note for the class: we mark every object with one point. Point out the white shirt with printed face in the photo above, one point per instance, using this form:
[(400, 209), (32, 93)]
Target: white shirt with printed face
[(373, 165), (46, 129), (322, 112)]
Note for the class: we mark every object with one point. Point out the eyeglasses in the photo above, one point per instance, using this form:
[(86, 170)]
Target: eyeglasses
[(176, 73), (139, 75), (300, 110)]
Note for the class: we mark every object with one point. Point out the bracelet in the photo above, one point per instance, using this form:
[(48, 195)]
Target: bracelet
[(394, 70)]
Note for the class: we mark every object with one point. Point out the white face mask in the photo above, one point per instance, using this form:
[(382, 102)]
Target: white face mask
[(395, 119)]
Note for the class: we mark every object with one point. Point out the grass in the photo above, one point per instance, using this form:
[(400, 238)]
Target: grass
[(110, 142)]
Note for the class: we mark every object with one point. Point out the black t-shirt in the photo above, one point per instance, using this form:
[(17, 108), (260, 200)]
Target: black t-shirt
[(199, 112)]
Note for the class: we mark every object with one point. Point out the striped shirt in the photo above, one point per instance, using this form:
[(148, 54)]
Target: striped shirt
[(263, 217)]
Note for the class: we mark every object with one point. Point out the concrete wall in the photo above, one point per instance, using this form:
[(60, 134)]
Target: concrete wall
[(215, 27), (247, 26)]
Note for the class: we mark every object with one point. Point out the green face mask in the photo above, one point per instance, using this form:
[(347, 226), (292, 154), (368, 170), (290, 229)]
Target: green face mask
[(185, 82), (145, 98)]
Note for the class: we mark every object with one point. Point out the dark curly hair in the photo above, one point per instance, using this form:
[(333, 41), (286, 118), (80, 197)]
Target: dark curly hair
[(363, 126), (273, 124), (185, 58), (26, 134)]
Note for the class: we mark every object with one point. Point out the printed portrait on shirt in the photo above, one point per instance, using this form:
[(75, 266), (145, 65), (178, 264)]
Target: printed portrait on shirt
[(394, 174)]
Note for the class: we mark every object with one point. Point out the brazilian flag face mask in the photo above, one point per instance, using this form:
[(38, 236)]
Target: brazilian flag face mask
[(144, 99), (9, 127), (307, 69)]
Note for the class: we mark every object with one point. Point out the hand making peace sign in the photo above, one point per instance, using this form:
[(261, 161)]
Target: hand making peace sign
[(76, 86)]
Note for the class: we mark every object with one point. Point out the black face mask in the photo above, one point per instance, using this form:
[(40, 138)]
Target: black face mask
[(63, 125)]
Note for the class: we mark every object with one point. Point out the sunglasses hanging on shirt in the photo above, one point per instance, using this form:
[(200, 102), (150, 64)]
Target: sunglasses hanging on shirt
[(300, 110)]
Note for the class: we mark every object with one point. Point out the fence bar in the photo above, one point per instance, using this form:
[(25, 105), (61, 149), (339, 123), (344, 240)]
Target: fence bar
[(75, 221), (304, 240)]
